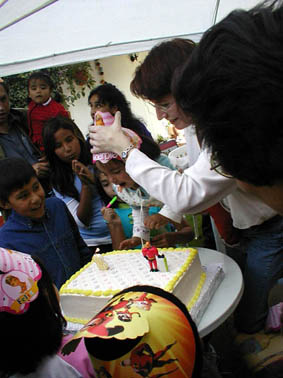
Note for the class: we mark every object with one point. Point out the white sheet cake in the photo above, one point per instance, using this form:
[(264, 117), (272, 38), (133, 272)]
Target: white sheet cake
[(89, 290)]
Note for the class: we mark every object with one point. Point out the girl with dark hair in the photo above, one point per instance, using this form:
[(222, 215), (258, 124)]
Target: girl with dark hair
[(32, 322), (42, 106), (113, 167), (120, 222), (108, 98), (73, 180)]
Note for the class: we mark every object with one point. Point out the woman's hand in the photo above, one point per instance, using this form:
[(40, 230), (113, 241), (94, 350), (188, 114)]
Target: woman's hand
[(155, 221), (109, 138), (84, 174)]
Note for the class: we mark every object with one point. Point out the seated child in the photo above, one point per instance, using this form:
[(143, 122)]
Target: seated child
[(41, 227), (32, 329), (120, 221), (42, 106), (73, 180), (114, 169)]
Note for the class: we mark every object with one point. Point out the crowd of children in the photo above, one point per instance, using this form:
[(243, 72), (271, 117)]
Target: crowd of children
[(59, 225)]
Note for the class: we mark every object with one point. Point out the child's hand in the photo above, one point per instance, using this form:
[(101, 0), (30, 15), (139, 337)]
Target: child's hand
[(155, 221), (110, 216), (84, 174), (130, 243), (167, 239), (41, 168)]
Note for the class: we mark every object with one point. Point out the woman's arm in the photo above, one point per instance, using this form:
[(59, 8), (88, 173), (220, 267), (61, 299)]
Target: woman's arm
[(192, 192)]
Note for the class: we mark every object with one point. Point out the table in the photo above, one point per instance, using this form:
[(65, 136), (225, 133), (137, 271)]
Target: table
[(228, 294)]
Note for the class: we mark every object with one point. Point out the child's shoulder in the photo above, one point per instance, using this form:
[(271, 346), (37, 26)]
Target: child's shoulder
[(7, 226), (54, 202), (56, 106)]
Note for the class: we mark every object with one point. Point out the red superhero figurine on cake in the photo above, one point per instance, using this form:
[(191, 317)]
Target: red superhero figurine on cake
[(150, 253)]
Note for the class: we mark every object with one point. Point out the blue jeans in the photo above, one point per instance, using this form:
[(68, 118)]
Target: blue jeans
[(262, 265)]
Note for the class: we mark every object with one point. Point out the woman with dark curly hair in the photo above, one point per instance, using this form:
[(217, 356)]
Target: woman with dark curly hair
[(108, 98)]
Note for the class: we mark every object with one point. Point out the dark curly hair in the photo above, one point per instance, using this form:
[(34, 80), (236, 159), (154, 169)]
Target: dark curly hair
[(108, 94), (44, 76), (233, 88), (41, 75)]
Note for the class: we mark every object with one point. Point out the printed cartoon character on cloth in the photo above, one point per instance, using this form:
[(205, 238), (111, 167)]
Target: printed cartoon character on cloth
[(99, 325), (150, 253), (143, 360), (143, 302), (18, 281), (106, 119), (161, 341), (126, 315), (98, 120)]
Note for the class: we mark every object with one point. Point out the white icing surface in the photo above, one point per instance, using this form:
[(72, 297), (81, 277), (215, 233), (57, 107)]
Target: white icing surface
[(131, 269), (128, 269)]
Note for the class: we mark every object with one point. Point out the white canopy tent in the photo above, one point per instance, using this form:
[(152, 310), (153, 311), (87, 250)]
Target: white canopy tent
[(35, 33)]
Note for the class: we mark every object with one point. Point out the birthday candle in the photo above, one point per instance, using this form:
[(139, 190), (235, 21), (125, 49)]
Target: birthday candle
[(166, 264)]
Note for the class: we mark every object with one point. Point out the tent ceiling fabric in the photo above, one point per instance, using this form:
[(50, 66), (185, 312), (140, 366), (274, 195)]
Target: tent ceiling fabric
[(14, 11), (71, 31)]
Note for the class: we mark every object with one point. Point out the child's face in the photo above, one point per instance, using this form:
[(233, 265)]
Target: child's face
[(106, 184), (96, 105), (39, 91), (28, 201), (115, 172), (67, 145)]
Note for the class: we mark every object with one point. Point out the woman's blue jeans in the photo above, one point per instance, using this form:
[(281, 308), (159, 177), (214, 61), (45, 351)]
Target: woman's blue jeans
[(261, 260)]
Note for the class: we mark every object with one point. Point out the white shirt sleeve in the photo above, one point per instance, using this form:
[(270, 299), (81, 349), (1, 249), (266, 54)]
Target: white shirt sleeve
[(168, 213), (192, 192)]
